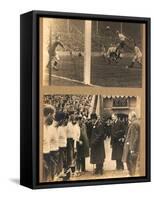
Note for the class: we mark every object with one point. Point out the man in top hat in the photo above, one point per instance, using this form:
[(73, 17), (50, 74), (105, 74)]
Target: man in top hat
[(82, 146), (117, 141), (97, 155), (89, 127)]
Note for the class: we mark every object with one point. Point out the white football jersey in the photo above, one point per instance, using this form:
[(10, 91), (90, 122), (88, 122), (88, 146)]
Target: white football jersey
[(137, 51), (111, 50), (122, 37)]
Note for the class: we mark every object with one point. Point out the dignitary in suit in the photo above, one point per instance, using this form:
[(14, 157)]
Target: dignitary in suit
[(117, 141), (97, 155), (89, 126), (82, 146), (131, 147)]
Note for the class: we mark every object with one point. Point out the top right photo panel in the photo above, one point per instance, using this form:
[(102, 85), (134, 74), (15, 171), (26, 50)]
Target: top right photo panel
[(117, 54), (77, 52)]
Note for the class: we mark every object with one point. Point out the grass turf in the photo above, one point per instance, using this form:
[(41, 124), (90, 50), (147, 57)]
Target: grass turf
[(102, 73)]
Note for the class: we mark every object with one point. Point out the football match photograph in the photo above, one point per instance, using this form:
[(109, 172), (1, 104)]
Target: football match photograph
[(105, 53)]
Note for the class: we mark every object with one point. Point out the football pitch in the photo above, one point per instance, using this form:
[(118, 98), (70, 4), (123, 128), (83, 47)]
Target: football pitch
[(71, 70)]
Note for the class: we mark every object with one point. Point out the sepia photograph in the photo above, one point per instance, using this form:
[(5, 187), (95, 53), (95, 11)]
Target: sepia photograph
[(87, 137), (89, 52), (86, 98)]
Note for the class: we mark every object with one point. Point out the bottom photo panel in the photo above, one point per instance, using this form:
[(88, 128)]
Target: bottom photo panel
[(87, 137)]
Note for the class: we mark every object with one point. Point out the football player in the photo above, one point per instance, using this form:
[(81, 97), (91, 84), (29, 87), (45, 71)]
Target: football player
[(53, 54), (137, 56), (122, 39), (103, 51), (112, 53)]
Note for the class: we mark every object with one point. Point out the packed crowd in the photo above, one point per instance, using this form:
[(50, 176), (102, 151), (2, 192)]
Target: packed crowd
[(79, 105)]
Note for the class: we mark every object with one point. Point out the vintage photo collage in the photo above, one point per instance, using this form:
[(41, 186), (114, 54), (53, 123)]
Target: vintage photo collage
[(92, 99)]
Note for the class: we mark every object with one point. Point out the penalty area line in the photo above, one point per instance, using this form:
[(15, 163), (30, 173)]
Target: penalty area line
[(68, 79), (75, 81)]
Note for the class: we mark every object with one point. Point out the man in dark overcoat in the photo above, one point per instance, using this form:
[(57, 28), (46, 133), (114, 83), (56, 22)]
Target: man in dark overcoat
[(97, 155), (131, 147), (89, 129), (82, 146), (117, 141)]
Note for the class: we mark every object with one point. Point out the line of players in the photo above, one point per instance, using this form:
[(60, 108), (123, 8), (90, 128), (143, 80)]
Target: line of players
[(63, 139)]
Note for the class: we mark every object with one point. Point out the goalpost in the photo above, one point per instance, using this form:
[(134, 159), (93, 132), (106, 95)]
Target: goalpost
[(121, 27), (87, 52)]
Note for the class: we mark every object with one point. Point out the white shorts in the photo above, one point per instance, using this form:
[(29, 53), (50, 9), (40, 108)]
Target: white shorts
[(103, 54), (137, 59), (56, 57)]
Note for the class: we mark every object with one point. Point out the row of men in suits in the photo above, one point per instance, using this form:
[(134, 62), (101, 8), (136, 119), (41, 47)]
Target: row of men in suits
[(124, 143)]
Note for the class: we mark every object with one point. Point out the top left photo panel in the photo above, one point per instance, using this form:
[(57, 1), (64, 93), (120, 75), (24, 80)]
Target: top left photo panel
[(62, 51)]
